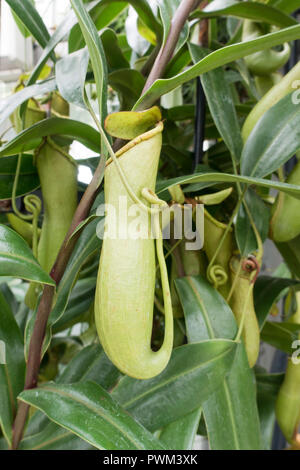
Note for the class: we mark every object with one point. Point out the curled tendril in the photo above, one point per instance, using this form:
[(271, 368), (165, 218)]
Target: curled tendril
[(217, 275), (251, 265)]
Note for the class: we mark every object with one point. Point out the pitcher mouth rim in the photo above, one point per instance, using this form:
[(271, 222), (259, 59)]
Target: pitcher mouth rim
[(158, 128)]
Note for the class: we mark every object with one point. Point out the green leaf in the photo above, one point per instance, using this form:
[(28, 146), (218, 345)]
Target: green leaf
[(267, 291), (260, 214), (17, 260), (9, 104), (232, 405), (227, 178), (30, 138), (181, 434), (252, 10), (12, 372), (102, 15), (216, 59), (287, 7), (274, 139), (54, 437), (281, 335), (88, 411), (128, 83), (114, 56), (29, 16), (59, 34), (70, 76), (194, 371), (28, 181), (221, 105), (290, 251), (96, 52)]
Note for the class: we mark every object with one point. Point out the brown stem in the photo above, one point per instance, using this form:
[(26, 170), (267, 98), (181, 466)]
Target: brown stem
[(45, 305), (167, 50)]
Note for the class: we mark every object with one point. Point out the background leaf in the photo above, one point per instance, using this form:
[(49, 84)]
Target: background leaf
[(16, 258)]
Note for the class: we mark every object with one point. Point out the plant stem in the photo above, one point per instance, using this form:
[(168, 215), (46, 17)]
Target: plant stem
[(167, 49)]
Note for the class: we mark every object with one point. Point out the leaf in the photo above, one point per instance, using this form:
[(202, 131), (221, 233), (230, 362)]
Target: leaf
[(244, 232), (232, 405), (102, 15), (28, 181), (115, 58), (17, 260), (89, 412), (267, 291), (56, 37), (194, 371), (129, 124), (281, 335), (216, 177), (181, 434), (254, 11), (291, 253), (9, 104), (12, 373), (216, 59), (128, 83), (274, 139), (287, 7), (96, 53), (31, 137), (221, 105), (54, 437), (91, 363), (29, 16), (70, 76)]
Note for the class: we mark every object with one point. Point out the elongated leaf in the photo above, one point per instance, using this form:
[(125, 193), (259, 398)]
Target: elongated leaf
[(91, 363), (228, 407), (128, 83), (252, 10), (287, 7), (220, 102), (102, 15), (180, 435), (194, 371), (60, 33), (115, 58), (227, 178), (70, 76), (244, 232), (214, 60), (281, 335), (291, 253), (29, 16), (30, 138), (274, 139), (267, 291), (28, 181), (9, 104), (54, 437), (16, 258), (12, 372), (96, 53), (88, 411)]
